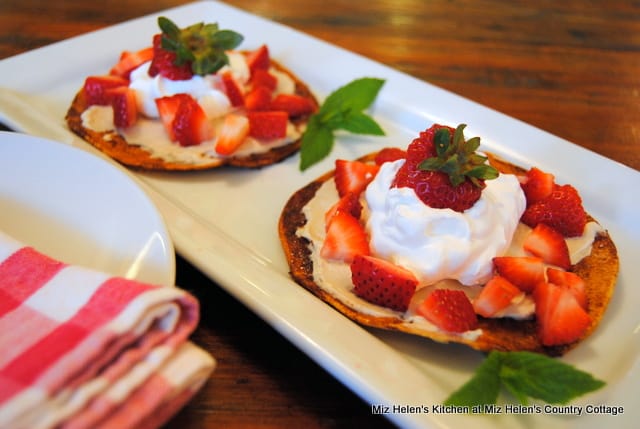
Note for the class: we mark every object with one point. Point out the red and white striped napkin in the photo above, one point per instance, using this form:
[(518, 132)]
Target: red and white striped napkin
[(83, 349)]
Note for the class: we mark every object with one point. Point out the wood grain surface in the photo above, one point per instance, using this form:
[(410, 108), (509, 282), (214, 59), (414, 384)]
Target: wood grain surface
[(571, 68)]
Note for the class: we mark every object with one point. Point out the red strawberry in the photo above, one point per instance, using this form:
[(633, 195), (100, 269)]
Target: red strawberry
[(125, 106), (571, 281), (259, 98), (353, 176), (390, 154), (163, 63), (383, 283), (450, 310), (190, 124), (294, 105), (525, 272), (561, 319), (259, 59), (350, 203), (233, 89), (167, 108), (446, 179), (268, 124), (548, 244), (130, 61), (261, 77), (95, 87), (537, 185), (345, 238), (562, 210), (495, 295), (234, 130)]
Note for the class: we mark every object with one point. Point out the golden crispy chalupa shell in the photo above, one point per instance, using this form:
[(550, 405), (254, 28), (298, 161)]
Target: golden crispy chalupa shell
[(115, 145), (599, 270)]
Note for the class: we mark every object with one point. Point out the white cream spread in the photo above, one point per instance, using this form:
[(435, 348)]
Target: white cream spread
[(149, 133), (335, 276)]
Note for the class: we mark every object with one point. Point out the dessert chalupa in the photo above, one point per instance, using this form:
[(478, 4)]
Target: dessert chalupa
[(190, 101), (442, 241)]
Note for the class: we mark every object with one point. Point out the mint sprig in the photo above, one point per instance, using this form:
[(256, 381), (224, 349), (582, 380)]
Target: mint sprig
[(525, 375), (343, 109)]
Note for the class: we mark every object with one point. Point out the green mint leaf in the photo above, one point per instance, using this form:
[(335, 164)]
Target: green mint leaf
[(525, 375), (360, 123), (317, 143), (354, 96), (551, 380), (483, 388)]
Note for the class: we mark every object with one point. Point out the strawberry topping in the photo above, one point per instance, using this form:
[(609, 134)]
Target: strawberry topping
[(349, 203), (235, 128), (495, 295), (537, 185), (164, 63), (571, 281), (561, 209), (382, 283), (130, 61), (95, 87), (450, 310), (525, 272), (268, 124), (390, 154), (345, 238), (125, 108), (294, 105), (259, 59), (560, 317), (259, 98), (548, 244), (353, 176)]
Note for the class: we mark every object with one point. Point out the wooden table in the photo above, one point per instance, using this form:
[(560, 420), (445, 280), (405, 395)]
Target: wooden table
[(571, 68)]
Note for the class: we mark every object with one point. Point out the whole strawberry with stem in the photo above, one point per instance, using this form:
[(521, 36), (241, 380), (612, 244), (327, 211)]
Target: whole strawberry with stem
[(444, 169)]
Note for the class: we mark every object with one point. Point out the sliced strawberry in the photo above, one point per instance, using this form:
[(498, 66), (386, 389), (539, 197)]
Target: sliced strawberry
[(450, 310), (233, 89), (130, 61), (353, 176), (125, 106), (294, 105), (390, 154), (350, 203), (562, 210), (537, 185), (190, 124), (496, 294), (95, 87), (259, 59), (235, 128), (525, 272), (560, 318), (167, 108), (261, 77), (345, 238), (548, 244), (259, 98), (383, 283), (164, 63), (571, 281), (267, 125)]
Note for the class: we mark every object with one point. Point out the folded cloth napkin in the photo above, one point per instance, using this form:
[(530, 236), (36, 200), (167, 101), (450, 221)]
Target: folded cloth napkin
[(82, 349)]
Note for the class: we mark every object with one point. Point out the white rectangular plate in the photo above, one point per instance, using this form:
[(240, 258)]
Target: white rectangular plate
[(225, 221)]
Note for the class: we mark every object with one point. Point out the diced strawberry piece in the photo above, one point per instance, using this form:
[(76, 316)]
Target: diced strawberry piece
[(353, 176), (125, 107), (261, 77), (268, 124), (560, 318), (350, 203), (259, 59), (259, 98), (450, 310), (294, 105), (571, 281), (130, 61), (382, 282), (235, 128), (163, 63), (525, 272), (548, 244), (562, 210), (537, 185), (167, 108), (390, 154), (345, 239), (95, 87), (496, 294), (190, 124), (233, 89)]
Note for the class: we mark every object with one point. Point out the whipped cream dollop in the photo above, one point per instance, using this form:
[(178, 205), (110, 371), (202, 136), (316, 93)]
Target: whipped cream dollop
[(439, 244)]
